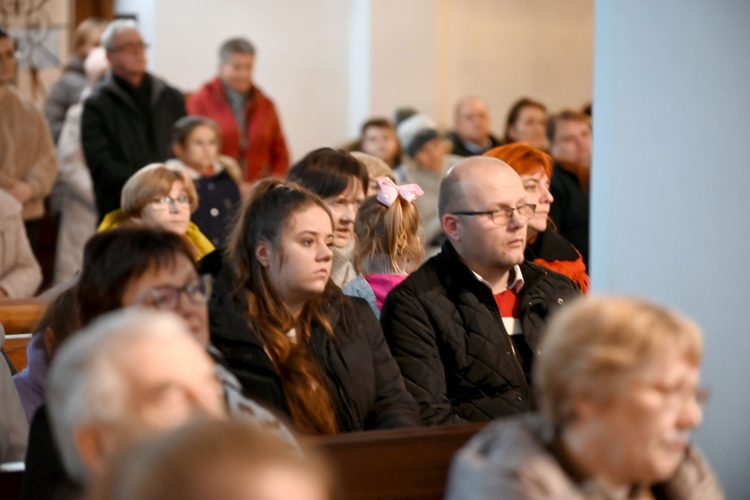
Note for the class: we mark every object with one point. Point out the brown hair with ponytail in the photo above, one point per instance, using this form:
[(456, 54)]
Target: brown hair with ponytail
[(265, 214)]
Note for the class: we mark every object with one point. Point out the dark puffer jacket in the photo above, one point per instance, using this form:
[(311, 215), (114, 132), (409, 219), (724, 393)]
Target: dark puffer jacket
[(446, 333), (363, 379), (118, 138)]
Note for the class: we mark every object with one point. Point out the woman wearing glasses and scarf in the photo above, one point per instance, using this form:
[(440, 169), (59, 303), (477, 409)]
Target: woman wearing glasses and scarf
[(163, 197)]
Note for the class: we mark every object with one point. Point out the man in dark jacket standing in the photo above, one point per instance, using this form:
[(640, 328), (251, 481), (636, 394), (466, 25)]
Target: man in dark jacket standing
[(464, 328), (127, 121)]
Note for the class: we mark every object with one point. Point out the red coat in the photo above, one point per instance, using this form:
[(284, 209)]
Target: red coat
[(266, 153)]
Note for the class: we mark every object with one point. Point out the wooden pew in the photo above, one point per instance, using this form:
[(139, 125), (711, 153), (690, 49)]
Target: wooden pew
[(397, 464), (19, 317)]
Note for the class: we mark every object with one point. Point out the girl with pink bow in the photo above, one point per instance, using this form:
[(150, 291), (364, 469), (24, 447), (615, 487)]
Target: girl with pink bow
[(387, 247)]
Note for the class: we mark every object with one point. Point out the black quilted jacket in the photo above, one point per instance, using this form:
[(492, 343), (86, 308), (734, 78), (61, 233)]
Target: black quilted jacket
[(445, 331), (363, 379)]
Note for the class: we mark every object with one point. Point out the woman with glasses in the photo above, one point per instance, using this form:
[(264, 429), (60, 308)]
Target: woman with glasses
[(140, 267), (617, 384), (163, 197), (292, 338), (544, 245), (342, 182)]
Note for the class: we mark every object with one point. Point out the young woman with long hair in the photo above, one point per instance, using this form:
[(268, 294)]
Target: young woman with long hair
[(292, 338)]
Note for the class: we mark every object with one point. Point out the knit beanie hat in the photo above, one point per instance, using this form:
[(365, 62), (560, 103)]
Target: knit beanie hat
[(415, 132), (402, 114), (374, 165)]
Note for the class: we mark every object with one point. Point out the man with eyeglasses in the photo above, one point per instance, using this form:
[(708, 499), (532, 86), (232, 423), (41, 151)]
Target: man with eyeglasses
[(127, 120), (28, 165), (464, 328)]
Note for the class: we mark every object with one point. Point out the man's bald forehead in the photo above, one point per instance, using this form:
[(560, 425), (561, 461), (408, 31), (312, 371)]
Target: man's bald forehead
[(453, 186), (469, 100)]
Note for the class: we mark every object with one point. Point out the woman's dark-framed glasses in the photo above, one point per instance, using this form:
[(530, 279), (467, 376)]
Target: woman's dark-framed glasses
[(167, 297)]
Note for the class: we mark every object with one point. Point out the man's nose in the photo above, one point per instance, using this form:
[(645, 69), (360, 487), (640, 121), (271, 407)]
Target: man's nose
[(517, 220), (350, 212)]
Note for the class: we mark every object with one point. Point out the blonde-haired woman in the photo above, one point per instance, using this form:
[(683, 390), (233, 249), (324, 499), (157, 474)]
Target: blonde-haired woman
[(160, 196), (617, 383)]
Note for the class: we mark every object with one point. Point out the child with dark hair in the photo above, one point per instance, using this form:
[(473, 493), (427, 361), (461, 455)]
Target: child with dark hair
[(196, 141), (378, 138)]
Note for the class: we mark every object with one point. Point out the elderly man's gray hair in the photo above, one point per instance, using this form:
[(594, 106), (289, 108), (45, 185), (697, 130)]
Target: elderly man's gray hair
[(115, 27), (235, 46), (85, 384)]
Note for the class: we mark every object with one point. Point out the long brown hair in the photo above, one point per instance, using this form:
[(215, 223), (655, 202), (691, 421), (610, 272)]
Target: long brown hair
[(265, 214)]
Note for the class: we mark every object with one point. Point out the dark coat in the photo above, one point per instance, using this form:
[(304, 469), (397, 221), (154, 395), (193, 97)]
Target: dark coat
[(363, 379), (219, 198), (45, 476), (459, 148), (446, 333), (118, 138), (550, 249), (570, 211)]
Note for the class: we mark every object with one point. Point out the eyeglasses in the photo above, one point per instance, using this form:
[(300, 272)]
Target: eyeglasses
[(181, 201), (167, 298), (503, 214), (131, 47)]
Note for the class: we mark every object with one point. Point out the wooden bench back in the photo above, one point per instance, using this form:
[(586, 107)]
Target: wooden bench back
[(19, 318), (397, 464)]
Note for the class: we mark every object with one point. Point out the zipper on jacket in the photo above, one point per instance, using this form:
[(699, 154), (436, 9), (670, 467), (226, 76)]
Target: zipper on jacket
[(519, 368)]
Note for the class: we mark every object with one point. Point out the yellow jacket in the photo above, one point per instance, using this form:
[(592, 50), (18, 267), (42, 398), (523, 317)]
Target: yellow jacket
[(116, 218)]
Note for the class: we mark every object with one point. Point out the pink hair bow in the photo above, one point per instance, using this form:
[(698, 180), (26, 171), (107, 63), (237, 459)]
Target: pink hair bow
[(389, 191)]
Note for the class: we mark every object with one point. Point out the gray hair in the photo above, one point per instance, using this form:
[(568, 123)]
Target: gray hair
[(85, 384), (235, 46), (114, 28)]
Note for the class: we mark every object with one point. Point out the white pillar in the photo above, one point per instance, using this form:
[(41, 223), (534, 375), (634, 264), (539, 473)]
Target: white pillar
[(670, 187)]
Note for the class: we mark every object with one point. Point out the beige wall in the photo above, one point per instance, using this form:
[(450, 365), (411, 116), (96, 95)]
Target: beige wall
[(430, 53), (329, 64)]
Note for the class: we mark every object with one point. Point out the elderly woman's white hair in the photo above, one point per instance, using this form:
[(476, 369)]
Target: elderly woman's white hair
[(84, 383), (595, 346)]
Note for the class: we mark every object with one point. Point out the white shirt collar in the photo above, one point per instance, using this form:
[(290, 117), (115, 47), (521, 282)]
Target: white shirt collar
[(516, 285)]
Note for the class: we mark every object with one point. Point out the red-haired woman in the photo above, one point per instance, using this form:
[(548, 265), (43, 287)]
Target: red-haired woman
[(544, 245)]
